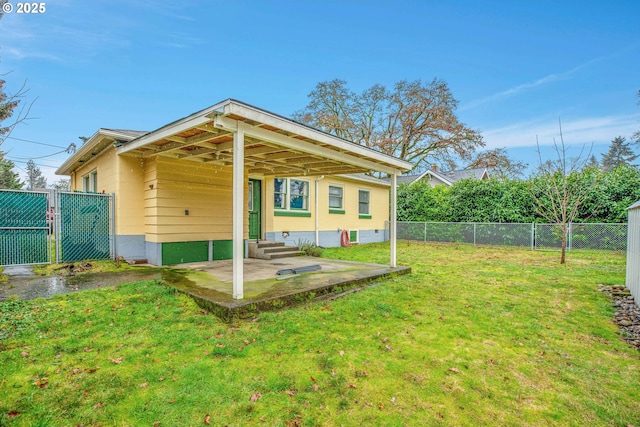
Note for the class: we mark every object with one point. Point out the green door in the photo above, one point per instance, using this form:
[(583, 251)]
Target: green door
[(255, 208)]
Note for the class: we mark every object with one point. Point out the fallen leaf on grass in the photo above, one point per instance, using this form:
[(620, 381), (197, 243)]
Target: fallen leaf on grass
[(143, 385), (157, 424), (290, 392), (161, 379), (254, 397), (388, 347), (207, 419), (13, 414), (118, 360), (88, 349), (24, 354), (352, 385), (315, 387), (341, 353), (454, 370), (89, 310), (98, 405), (41, 382)]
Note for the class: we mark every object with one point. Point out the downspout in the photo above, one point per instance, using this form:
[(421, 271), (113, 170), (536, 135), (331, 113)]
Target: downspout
[(316, 201)]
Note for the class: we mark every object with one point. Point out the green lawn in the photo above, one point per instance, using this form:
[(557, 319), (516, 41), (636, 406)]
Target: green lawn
[(475, 336)]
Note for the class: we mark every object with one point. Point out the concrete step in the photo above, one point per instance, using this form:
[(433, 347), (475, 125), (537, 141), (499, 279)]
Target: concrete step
[(279, 249), (267, 244), (278, 255)]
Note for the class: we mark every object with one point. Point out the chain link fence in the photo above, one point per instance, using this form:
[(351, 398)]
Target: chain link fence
[(24, 228), (612, 237), (40, 227)]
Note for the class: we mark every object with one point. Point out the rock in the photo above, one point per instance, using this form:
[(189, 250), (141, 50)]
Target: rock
[(625, 322)]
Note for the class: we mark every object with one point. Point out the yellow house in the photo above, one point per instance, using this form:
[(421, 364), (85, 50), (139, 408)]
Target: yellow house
[(202, 187)]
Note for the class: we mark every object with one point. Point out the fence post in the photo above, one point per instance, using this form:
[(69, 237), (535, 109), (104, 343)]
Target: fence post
[(57, 221), (425, 232), (533, 236), (474, 234), (569, 237)]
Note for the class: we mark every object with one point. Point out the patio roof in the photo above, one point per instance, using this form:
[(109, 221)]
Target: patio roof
[(273, 145)]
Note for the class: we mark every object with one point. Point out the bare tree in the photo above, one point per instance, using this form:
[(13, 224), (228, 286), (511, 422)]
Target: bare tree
[(499, 164), (557, 190), (413, 121)]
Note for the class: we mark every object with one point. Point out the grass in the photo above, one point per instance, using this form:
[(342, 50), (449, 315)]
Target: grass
[(475, 336), (84, 267)]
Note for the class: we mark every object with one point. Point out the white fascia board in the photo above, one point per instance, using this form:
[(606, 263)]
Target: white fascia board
[(87, 147), (297, 144), (193, 120), (286, 125)]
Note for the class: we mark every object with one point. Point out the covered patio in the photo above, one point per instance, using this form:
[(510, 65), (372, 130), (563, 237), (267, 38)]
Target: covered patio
[(257, 143), (270, 285)]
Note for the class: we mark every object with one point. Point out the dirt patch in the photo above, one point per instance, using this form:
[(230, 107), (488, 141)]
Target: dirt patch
[(627, 314)]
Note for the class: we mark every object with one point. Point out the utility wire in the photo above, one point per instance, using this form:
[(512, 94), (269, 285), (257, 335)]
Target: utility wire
[(41, 157), (35, 142)]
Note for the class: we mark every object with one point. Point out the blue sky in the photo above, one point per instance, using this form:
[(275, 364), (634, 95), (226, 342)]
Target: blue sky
[(514, 66)]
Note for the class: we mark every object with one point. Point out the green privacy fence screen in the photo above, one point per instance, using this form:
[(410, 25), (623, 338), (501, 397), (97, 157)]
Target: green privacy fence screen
[(23, 228), (84, 226)]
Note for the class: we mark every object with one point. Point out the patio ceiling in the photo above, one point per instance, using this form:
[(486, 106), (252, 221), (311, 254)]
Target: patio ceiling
[(273, 145)]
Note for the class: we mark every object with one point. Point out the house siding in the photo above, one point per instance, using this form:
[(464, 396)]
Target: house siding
[(633, 252), (189, 201)]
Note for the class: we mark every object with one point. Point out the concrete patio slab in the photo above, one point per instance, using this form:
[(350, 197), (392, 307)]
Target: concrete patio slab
[(210, 283)]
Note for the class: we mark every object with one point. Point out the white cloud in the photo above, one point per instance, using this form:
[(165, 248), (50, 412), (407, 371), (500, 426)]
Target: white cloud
[(525, 86), (581, 131)]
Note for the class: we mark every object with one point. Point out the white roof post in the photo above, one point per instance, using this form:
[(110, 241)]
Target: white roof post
[(392, 219), (238, 213)]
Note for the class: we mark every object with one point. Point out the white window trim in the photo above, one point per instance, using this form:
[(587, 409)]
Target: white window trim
[(368, 203), (287, 196), (341, 208), (91, 180)]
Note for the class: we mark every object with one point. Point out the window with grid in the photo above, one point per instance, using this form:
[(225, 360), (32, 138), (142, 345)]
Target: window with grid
[(364, 202), (280, 193), (298, 195), (336, 198)]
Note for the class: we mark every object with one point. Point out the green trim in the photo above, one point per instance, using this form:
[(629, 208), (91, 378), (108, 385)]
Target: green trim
[(291, 213), (364, 216), (336, 211)]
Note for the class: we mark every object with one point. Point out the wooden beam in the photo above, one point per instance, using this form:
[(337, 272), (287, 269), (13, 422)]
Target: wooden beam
[(306, 147)]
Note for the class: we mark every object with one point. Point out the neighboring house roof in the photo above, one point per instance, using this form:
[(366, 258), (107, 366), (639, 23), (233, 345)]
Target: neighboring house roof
[(447, 178), (274, 145)]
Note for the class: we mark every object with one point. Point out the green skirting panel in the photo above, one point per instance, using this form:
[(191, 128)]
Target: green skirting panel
[(222, 249), (181, 252)]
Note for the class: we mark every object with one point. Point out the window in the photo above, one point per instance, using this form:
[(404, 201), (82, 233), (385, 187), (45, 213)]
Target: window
[(336, 199), (280, 193), (90, 182), (363, 204), (299, 195), (291, 197)]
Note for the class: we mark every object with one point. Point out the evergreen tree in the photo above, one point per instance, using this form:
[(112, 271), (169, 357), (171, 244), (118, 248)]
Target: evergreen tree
[(35, 180), (619, 154), (8, 178)]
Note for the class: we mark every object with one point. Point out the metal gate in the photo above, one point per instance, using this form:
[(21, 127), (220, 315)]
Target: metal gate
[(40, 227), (84, 226), (24, 232)]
